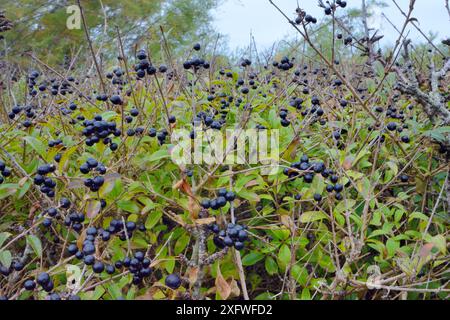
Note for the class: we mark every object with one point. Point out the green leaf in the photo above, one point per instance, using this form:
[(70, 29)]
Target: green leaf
[(24, 189), (312, 216), (271, 266), (8, 189), (376, 218), (300, 274), (158, 155), (35, 243), (392, 246), (284, 255), (65, 157), (114, 291), (131, 293), (418, 215), (5, 258), (170, 265), (252, 258), (264, 296), (379, 69), (438, 134), (181, 243), (306, 295), (345, 206), (109, 185), (248, 195), (98, 293), (3, 237), (242, 181), (109, 115), (116, 190), (393, 166), (128, 206), (153, 219), (37, 145)]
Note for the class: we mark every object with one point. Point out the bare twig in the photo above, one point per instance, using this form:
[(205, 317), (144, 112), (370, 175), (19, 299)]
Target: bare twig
[(86, 31), (417, 28)]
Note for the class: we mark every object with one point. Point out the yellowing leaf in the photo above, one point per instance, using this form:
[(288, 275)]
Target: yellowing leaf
[(312, 216), (440, 243), (93, 208)]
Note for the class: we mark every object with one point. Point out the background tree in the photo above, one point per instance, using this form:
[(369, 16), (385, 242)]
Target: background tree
[(40, 25)]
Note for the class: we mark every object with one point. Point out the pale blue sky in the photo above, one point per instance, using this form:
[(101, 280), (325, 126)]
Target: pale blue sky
[(235, 19)]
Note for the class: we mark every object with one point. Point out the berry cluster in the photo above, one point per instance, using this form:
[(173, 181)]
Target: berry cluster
[(29, 114), (307, 170), (285, 64), (341, 3), (97, 130), (196, 64), (124, 232), (303, 17), (224, 196), (144, 66), (296, 102), (348, 40), (245, 62), (47, 184), (32, 82), (55, 143), (45, 281), (139, 266), (132, 132), (75, 220), (329, 8), (4, 171), (116, 77), (62, 87), (208, 121), (52, 213), (234, 235), (315, 110), (94, 184), (15, 265), (284, 120), (393, 112), (5, 24), (161, 135)]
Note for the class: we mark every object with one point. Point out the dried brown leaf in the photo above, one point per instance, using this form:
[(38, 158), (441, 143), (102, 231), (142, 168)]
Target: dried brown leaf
[(222, 286)]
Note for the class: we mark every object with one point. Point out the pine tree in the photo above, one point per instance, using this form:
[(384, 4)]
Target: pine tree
[(41, 25)]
